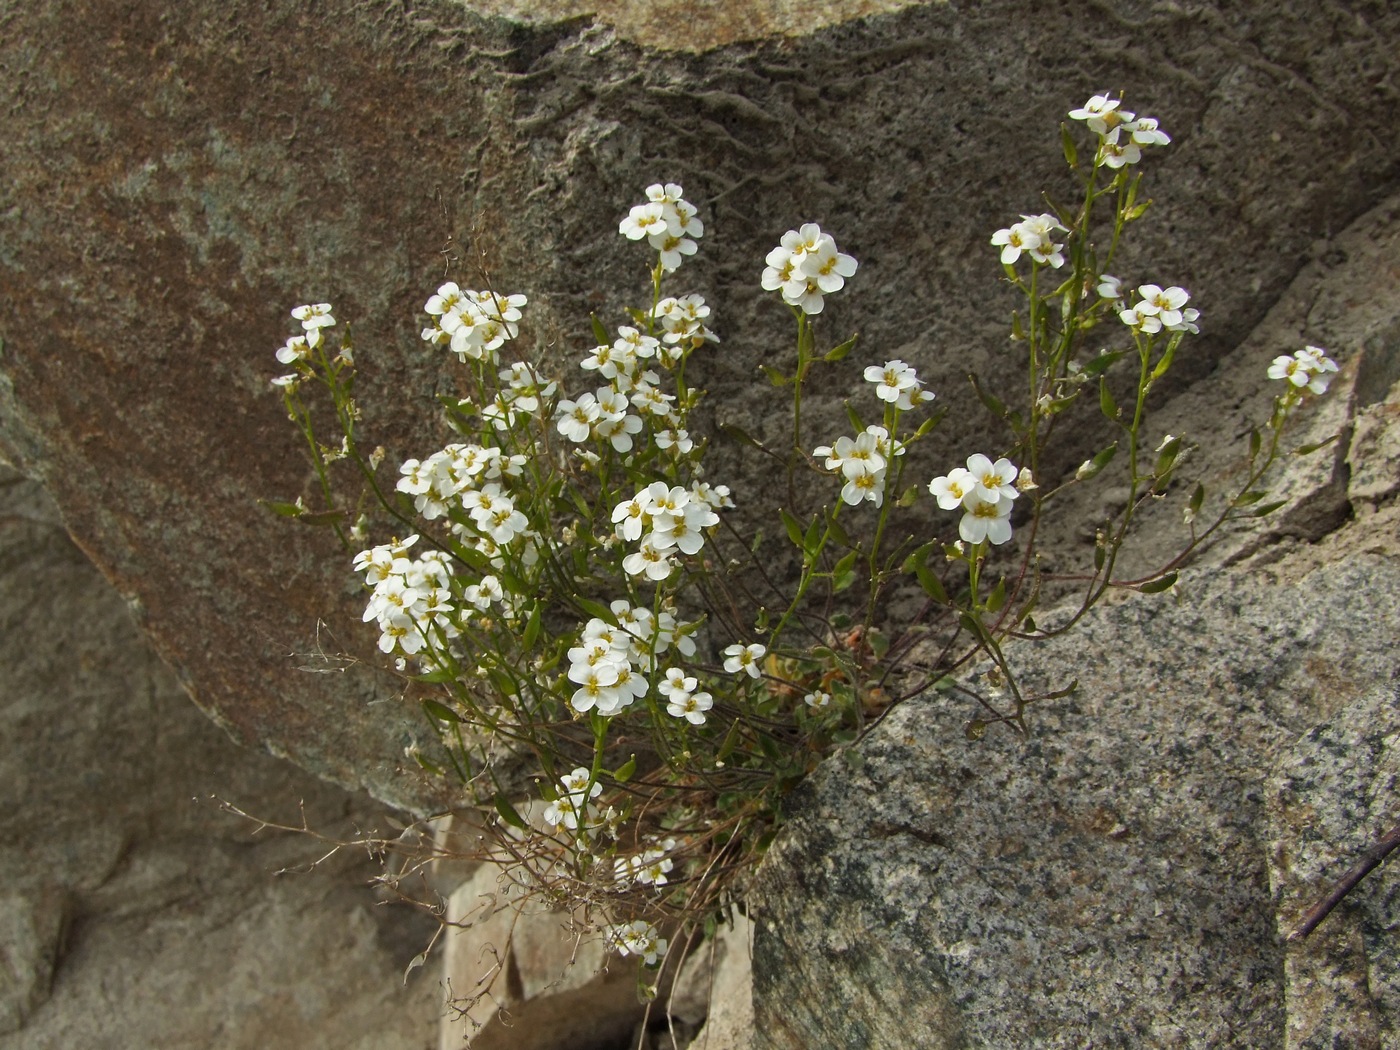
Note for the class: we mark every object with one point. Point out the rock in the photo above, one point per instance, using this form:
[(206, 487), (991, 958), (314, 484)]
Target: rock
[(178, 178), (1332, 798), (135, 911), (717, 981), (529, 978), (1108, 875)]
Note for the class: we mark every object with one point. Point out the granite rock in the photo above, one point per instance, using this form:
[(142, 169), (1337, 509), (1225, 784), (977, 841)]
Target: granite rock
[(178, 177)]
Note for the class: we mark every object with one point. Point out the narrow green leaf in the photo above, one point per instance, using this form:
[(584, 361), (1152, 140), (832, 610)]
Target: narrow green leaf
[(625, 771), (440, 712), (532, 629), (739, 435), (1102, 363), (283, 509), (1309, 449), (843, 575), (838, 352), (837, 532), (854, 417), (1264, 510), (1256, 442), (431, 767), (600, 331), (436, 676), (1167, 457), (1197, 498), (508, 813), (793, 526), (997, 598), (1245, 499), (1107, 405), (597, 609), (1165, 583), (1070, 150), (812, 537), (992, 403), (931, 584), (774, 376)]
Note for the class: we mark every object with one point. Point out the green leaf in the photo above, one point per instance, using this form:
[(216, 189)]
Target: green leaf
[(907, 497), (1028, 624), (600, 331), (740, 436), (993, 404), (532, 629), (431, 767), (1264, 510), (997, 598), (1166, 361), (794, 528), (283, 509), (1067, 144), (1157, 586), (440, 712), (774, 376), (1102, 363), (1197, 498), (812, 539), (843, 575), (508, 813), (625, 771), (837, 532), (1099, 555), (1167, 456), (1094, 466), (975, 730), (1245, 499), (597, 609), (1256, 442), (436, 676), (1107, 405), (731, 741), (838, 352), (1309, 449), (854, 417)]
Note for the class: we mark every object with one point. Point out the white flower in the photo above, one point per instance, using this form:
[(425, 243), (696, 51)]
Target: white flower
[(639, 938), (1014, 240), (805, 267), (953, 488), (817, 698), (644, 220), (746, 658), (1110, 287), (994, 480), (1309, 369), (986, 521), (893, 380), (692, 708)]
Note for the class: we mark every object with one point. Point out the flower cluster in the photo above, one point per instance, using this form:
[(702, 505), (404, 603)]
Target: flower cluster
[(897, 384), (805, 267), (668, 520), (863, 461), (475, 325), (683, 322), (639, 938), (1121, 134), (314, 318), (611, 663), (413, 600), (985, 491), (1308, 369), (648, 868), (573, 805), (1035, 236), (1157, 309), (667, 222)]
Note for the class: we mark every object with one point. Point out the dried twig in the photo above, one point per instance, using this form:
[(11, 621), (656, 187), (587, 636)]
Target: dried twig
[(1370, 859)]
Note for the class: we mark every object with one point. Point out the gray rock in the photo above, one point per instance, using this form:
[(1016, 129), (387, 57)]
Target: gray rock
[(135, 911), (1108, 875), (178, 177), (1332, 798)]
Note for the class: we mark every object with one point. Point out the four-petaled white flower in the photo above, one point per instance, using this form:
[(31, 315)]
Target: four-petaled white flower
[(738, 657)]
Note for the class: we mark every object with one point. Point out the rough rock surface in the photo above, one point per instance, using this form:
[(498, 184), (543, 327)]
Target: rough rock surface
[(134, 912), (1109, 875), (1333, 797), (177, 177)]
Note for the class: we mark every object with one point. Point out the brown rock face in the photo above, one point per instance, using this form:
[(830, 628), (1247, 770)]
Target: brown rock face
[(177, 177)]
